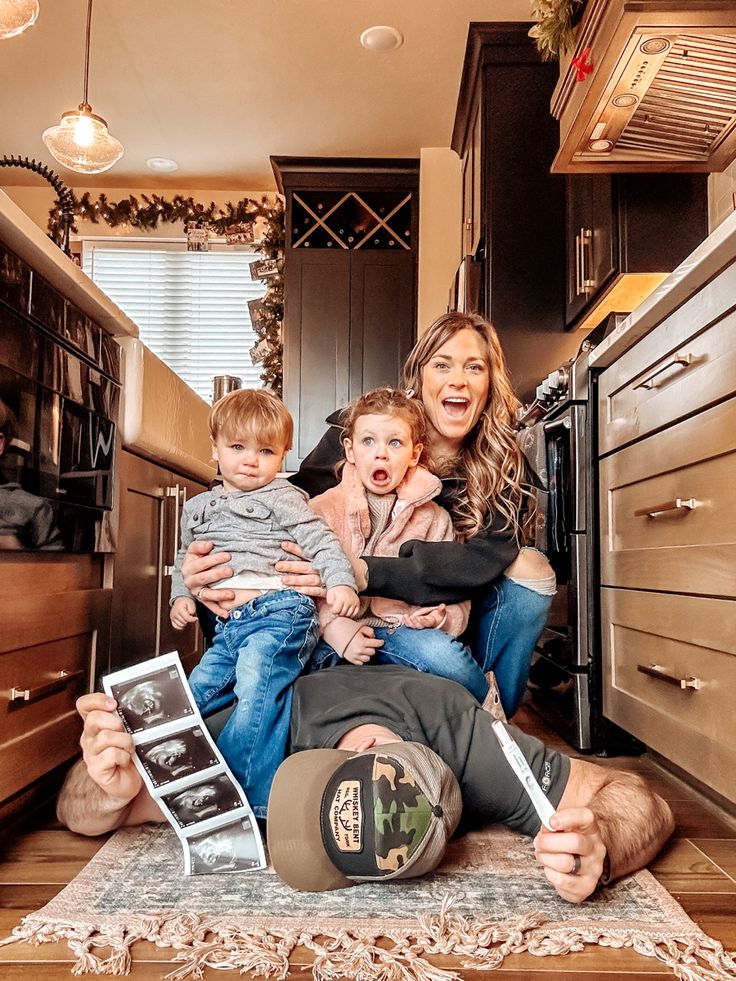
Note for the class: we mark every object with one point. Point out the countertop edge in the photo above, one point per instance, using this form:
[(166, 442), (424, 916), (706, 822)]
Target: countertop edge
[(28, 241)]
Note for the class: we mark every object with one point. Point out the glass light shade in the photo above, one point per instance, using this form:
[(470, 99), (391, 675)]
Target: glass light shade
[(16, 16), (82, 143)]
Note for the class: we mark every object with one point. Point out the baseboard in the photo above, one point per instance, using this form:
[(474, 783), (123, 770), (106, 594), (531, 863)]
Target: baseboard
[(715, 802)]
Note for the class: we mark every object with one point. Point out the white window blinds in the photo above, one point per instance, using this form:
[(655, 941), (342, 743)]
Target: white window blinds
[(190, 307)]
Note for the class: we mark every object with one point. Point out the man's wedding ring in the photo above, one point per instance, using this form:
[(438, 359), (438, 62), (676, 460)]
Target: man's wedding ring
[(198, 593), (575, 865)]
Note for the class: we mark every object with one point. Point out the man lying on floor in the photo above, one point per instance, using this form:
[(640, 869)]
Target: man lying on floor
[(383, 761)]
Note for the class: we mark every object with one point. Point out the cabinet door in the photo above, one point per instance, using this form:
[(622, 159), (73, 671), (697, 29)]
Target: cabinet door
[(600, 256), (187, 642), (591, 242), (136, 579), (316, 342), (471, 165), (579, 223), (382, 317)]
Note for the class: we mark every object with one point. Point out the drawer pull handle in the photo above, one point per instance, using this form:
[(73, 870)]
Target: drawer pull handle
[(681, 359), (658, 672), (59, 683), (679, 504)]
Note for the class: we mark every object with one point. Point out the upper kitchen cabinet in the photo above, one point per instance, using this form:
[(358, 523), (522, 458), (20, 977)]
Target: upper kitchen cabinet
[(649, 86), (350, 273), (625, 233), (514, 209)]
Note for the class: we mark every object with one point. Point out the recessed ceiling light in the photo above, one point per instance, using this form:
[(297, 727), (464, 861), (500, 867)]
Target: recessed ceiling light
[(381, 38), (162, 165)]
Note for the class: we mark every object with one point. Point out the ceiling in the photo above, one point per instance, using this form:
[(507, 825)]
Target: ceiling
[(220, 85)]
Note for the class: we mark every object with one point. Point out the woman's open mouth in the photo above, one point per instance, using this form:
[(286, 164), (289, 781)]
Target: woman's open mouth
[(455, 407)]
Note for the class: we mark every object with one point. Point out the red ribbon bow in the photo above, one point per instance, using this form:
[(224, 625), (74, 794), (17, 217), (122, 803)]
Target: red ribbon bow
[(582, 66)]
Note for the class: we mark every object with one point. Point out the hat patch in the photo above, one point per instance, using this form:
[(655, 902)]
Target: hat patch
[(401, 814), (374, 818), (346, 816)]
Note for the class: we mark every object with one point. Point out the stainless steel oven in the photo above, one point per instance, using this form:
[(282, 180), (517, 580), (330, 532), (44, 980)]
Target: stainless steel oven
[(557, 446), (557, 437)]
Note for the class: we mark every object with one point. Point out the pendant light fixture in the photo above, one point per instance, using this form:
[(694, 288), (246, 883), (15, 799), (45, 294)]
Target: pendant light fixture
[(81, 141), (16, 16)]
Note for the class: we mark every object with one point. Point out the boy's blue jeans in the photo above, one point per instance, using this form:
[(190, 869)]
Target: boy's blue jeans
[(430, 650), (257, 655)]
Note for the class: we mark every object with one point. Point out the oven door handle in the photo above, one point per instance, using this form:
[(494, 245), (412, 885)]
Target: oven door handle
[(565, 423)]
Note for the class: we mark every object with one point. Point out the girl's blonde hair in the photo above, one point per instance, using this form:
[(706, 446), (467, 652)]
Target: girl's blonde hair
[(489, 459), (254, 413)]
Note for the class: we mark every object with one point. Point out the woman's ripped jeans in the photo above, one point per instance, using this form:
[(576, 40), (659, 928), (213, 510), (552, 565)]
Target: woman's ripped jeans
[(507, 621)]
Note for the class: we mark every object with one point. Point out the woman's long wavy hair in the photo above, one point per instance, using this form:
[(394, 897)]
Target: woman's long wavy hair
[(489, 459)]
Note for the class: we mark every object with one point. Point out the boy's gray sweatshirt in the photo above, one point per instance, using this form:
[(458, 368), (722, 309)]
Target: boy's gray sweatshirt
[(251, 525)]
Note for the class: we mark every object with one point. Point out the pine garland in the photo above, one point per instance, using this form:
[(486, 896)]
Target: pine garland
[(269, 350), (146, 213), (554, 29)]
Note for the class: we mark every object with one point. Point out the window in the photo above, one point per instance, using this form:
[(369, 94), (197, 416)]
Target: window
[(191, 307)]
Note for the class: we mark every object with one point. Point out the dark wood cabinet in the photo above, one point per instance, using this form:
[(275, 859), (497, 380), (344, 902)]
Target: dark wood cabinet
[(150, 499), (625, 233), (553, 247), (53, 644), (513, 208), (590, 240), (349, 283)]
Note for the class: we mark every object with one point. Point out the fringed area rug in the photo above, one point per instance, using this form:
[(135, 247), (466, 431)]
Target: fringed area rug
[(488, 899)]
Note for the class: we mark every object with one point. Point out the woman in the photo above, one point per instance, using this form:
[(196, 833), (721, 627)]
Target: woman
[(458, 370)]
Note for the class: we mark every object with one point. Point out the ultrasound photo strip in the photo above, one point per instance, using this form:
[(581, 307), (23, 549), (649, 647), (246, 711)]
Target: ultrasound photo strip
[(183, 769)]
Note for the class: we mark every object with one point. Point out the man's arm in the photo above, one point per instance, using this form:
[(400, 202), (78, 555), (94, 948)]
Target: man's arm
[(611, 820), (104, 790)]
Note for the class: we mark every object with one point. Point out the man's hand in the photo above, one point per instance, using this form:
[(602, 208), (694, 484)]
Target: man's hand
[(299, 573), (427, 617), (200, 569), (343, 601), (362, 647), (107, 749), (182, 612), (576, 834)]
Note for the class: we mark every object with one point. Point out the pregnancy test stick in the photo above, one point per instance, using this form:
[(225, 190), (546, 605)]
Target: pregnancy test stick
[(521, 768)]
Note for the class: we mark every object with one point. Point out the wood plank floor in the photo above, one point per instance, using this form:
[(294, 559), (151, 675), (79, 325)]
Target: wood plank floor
[(698, 866)]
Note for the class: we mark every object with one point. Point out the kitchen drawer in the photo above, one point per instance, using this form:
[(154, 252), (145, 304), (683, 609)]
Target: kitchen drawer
[(684, 364), (693, 641), (45, 633), (39, 727), (687, 549)]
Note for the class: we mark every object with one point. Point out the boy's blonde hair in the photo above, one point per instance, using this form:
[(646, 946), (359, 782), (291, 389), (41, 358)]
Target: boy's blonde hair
[(386, 402), (254, 413)]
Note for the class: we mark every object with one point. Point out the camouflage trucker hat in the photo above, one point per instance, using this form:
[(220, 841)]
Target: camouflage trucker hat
[(337, 818)]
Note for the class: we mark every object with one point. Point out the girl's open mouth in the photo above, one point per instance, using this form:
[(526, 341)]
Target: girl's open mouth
[(380, 477)]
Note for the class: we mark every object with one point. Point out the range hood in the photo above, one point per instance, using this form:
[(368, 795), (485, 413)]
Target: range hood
[(650, 86)]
